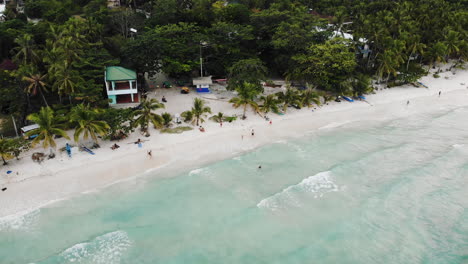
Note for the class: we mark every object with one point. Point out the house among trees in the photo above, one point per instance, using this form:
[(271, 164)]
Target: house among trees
[(121, 85), (202, 84), (113, 3), (2, 10)]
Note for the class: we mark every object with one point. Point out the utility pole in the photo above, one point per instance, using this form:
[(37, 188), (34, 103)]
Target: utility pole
[(14, 125), (202, 44), (201, 60)]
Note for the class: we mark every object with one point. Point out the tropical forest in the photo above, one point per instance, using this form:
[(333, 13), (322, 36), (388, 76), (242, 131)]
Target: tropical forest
[(53, 55)]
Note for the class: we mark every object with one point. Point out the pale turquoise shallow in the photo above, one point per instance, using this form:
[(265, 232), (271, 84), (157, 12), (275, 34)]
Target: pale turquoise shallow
[(391, 192)]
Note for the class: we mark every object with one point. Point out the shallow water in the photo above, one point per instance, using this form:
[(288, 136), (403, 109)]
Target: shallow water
[(392, 192)]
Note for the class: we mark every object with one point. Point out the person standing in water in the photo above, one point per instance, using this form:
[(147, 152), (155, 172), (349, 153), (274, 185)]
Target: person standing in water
[(407, 103), (440, 93)]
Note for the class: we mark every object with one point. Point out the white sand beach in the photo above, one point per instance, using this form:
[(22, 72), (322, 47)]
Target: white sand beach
[(31, 185)]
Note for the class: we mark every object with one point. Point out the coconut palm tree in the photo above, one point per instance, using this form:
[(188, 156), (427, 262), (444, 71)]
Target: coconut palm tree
[(167, 119), (437, 53), (145, 115), (66, 80), (36, 84), (219, 118), (310, 97), (246, 93), (269, 103), (416, 47), (199, 110), (5, 150), (361, 84), (386, 64), (25, 52), (290, 97), (452, 41), (87, 123), (49, 126)]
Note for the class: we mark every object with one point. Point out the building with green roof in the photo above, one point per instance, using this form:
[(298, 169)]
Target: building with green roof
[(121, 85)]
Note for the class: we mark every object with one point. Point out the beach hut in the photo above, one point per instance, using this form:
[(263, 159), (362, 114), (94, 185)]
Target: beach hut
[(121, 85), (202, 84)]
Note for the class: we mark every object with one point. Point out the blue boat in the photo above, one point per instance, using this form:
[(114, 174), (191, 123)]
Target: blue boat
[(362, 97), (88, 150), (423, 85), (347, 99)]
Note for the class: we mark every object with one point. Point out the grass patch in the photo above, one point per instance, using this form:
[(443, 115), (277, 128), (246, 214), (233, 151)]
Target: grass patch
[(176, 130)]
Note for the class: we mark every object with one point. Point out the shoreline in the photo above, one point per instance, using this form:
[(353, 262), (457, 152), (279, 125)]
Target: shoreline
[(39, 185)]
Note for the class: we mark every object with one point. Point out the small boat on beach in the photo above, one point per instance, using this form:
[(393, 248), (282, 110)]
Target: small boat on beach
[(425, 86), (87, 150), (347, 99)]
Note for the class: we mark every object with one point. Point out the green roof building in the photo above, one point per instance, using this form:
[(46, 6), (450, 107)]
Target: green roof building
[(121, 85)]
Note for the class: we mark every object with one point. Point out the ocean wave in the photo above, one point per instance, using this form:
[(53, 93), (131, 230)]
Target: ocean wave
[(197, 171), (105, 249), (318, 185), (334, 125), (458, 146), (23, 220)]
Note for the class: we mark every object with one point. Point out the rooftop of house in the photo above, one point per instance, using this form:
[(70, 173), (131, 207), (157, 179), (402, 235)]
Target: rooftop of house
[(117, 73), (202, 80)]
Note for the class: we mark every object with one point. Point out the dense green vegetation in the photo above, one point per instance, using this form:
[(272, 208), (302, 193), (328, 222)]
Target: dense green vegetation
[(59, 58)]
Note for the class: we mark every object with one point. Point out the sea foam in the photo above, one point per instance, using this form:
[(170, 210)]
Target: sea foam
[(318, 185), (23, 220), (104, 249)]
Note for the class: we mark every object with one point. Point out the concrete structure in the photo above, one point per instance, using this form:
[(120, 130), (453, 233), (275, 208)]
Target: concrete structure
[(202, 84), (121, 85)]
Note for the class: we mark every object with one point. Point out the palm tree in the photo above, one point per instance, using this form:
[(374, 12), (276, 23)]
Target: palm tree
[(87, 123), (386, 64), (309, 96), (25, 52), (452, 43), (145, 115), (415, 48), (361, 84), (246, 97), (167, 119), (48, 127), (36, 84), (5, 150), (269, 103), (438, 52), (66, 81), (199, 110), (219, 118), (290, 97)]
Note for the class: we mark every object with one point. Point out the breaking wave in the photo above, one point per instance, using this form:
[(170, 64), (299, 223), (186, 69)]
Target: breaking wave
[(105, 249), (23, 220), (317, 185)]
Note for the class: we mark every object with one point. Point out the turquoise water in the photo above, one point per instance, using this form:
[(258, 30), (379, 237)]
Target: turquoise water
[(392, 192)]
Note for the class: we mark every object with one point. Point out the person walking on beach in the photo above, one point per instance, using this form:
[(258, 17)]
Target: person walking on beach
[(253, 133), (440, 93), (271, 122), (407, 103), (150, 155)]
